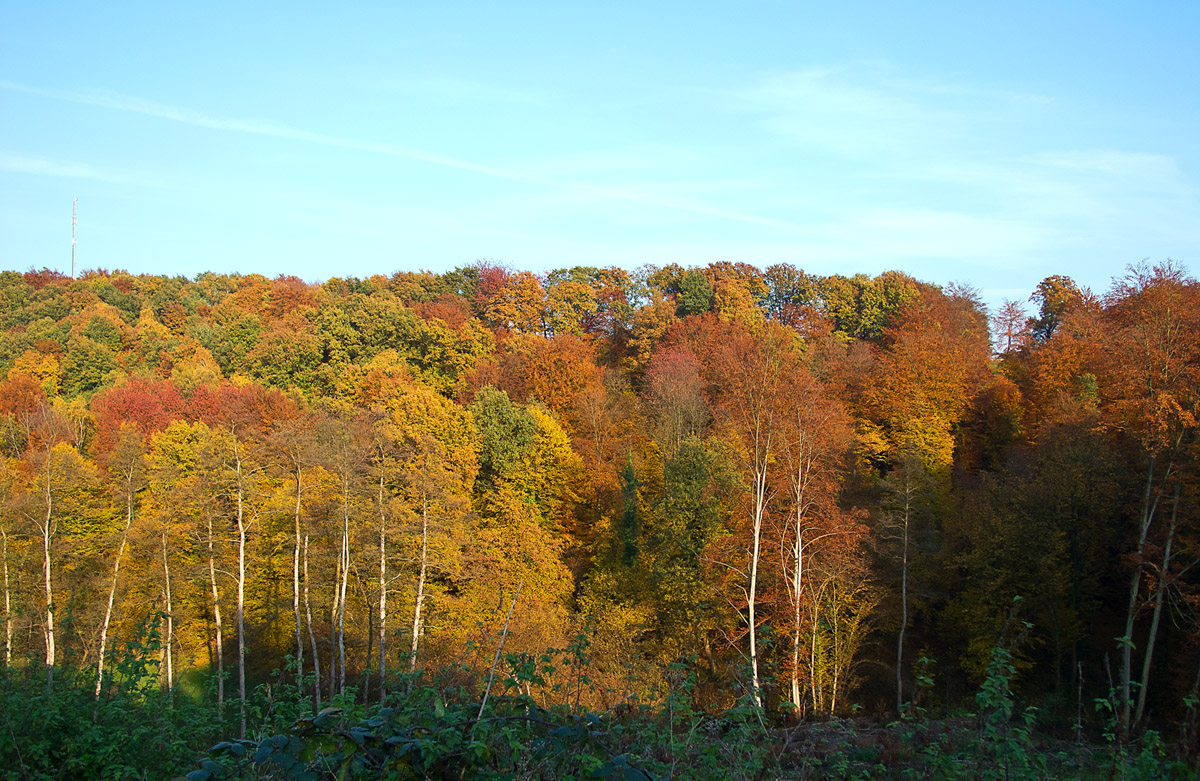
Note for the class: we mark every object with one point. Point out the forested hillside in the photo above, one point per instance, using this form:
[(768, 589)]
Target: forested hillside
[(811, 496)]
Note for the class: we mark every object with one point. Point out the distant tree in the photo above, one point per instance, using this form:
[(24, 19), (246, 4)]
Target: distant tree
[(675, 396), (695, 294), (1011, 326), (1055, 296)]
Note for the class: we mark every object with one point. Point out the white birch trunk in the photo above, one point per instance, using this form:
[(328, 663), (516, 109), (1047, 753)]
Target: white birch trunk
[(420, 600), (761, 457), (8, 622), (341, 623), (801, 477), (170, 616), (814, 683), (312, 637), (382, 590), (241, 594), (797, 585), (296, 587), (112, 592), (333, 614), (47, 533), (216, 598)]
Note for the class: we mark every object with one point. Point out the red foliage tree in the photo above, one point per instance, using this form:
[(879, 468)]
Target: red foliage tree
[(148, 404), (250, 410), (20, 395), (553, 371)]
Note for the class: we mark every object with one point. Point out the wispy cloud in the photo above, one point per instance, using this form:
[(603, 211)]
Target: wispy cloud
[(925, 178), (1143, 170), (951, 235), (257, 127), (1084, 193), (838, 110), (12, 162), (433, 88), (868, 108)]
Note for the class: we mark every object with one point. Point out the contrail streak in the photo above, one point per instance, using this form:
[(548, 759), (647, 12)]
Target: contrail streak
[(126, 103)]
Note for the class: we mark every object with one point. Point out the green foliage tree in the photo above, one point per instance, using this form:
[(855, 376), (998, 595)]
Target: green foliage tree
[(695, 294)]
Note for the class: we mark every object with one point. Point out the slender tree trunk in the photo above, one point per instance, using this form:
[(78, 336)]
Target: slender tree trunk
[(368, 668), (241, 594), (382, 590), (50, 644), (312, 637), (1135, 581), (47, 532), (797, 585), (8, 622), (420, 601), (500, 648), (836, 658), (801, 478), (760, 490), (1163, 581), (216, 598), (333, 614), (112, 592), (341, 627), (170, 616), (814, 678), (753, 396), (903, 599), (296, 588)]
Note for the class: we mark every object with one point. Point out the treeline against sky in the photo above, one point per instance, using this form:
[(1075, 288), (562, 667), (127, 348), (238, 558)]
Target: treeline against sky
[(814, 491)]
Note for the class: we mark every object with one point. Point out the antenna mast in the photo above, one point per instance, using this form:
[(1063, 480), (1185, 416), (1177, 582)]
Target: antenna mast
[(74, 221)]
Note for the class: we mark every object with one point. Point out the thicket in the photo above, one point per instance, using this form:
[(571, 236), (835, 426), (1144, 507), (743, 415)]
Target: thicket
[(438, 726)]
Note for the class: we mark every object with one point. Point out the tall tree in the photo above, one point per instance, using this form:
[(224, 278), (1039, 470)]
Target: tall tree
[(127, 464), (814, 444), (345, 451), (292, 440), (747, 385), (1155, 375), (935, 360), (6, 489), (44, 467)]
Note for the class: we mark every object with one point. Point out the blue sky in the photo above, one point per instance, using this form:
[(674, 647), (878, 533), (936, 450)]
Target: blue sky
[(992, 146)]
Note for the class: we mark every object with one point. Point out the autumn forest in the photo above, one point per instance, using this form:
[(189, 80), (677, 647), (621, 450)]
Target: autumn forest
[(803, 499)]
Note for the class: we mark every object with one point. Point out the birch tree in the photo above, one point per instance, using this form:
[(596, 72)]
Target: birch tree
[(7, 481), (128, 466), (42, 467), (746, 385), (293, 442), (345, 451), (814, 441)]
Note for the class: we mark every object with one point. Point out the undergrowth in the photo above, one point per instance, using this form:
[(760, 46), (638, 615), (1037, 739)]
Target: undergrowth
[(529, 725)]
